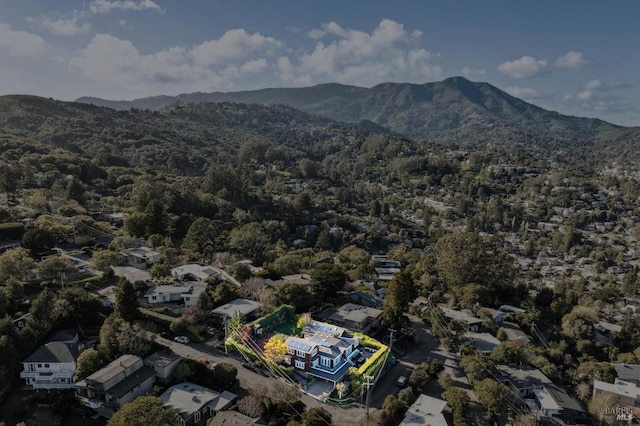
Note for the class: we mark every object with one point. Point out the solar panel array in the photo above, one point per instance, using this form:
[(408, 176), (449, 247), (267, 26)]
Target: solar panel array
[(297, 344)]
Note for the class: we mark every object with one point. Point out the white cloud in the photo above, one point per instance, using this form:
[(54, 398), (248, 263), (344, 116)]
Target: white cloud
[(571, 59), (522, 92), (212, 65), (66, 26), (471, 72), (526, 66), (232, 45), (108, 6), (20, 43), (361, 58), (593, 84)]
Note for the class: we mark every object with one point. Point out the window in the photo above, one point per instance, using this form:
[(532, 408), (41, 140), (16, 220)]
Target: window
[(196, 418), (154, 297), (39, 365), (325, 361), (46, 366), (181, 422), (300, 353), (205, 410), (300, 364)]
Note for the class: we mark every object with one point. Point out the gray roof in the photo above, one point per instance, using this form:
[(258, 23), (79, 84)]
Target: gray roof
[(237, 306), (162, 359), (54, 352), (107, 372), (628, 372), (232, 418), (125, 385), (522, 376), (551, 396), (425, 411), (187, 398), (459, 315), (355, 313)]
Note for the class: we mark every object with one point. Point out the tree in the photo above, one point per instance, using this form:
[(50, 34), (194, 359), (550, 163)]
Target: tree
[(118, 337), (275, 349), (250, 240), (579, 323), (250, 405), (41, 319), (54, 266), (400, 292), (39, 239), (104, 260), (9, 179), (316, 416), (14, 263), (160, 270), (88, 363), (76, 191), (598, 405), (224, 292), (9, 365), (506, 353), (206, 236), (327, 280), (144, 411), (204, 302), (126, 301), (392, 407), (493, 396), (224, 374)]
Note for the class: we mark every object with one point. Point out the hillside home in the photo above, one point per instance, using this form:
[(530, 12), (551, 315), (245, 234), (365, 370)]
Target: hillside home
[(51, 366), (194, 272), (356, 317), (426, 411), (522, 379), (139, 257), (195, 404), (627, 394), (245, 307), (325, 351), (116, 384), (554, 402), (188, 294), (473, 324)]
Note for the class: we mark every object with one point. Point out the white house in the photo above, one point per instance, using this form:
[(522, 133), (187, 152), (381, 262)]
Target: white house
[(195, 404), (140, 257), (51, 366), (188, 294)]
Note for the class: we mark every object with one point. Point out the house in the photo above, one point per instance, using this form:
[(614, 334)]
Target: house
[(51, 366), (139, 257), (234, 418), (245, 307), (473, 324), (356, 317), (164, 363), (627, 394), (515, 334), (425, 411), (628, 372), (116, 384), (188, 294), (21, 321), (195, 404), (194, 272), (365, 298), (484, 343), (325, 351), (554, 402), (522, 379)]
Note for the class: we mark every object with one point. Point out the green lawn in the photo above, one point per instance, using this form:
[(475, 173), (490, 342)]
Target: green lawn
[(289, 328)]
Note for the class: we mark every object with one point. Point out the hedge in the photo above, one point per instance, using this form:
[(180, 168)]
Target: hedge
[(11, 231), (269, 322)]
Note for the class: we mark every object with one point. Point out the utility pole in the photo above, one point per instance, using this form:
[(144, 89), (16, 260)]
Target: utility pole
[(391, 331), (368, 384)]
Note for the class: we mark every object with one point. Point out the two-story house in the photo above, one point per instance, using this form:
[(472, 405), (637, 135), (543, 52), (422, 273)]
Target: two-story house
[(116, 384), (51, 366), (140, 257), (324, 351)]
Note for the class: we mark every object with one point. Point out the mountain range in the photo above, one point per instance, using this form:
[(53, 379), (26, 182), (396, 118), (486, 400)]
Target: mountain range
[(453, 110)]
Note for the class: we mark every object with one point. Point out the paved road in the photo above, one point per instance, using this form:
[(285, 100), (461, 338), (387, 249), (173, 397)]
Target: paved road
[(248, 379)]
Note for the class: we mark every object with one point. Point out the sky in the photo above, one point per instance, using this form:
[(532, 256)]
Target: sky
[(577, 57)]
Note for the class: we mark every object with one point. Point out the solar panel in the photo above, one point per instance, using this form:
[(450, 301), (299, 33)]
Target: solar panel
[(296, 344)]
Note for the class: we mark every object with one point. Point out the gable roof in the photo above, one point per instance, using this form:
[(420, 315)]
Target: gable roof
[(114, 368), (54, 352), (522, 376), (130, 382), (425, 411)]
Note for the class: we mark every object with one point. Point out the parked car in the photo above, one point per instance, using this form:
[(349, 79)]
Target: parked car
[(402, 381), (181, 339)]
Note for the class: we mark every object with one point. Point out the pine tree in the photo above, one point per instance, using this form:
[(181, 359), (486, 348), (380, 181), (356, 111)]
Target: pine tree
[(126, 300)]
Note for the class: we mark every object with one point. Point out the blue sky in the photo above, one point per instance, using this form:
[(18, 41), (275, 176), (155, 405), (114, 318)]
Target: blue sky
[(575, 57)]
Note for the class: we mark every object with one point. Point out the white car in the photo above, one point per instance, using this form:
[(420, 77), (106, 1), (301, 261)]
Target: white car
[(181, 339)]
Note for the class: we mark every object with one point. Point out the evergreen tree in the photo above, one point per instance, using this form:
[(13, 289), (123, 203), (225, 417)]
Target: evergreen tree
[(126, 300), (400, 292)]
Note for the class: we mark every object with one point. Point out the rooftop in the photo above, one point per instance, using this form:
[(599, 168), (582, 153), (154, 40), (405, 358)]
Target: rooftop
[(425, 411), (628, 372), (522, 376), (54, 352), (620, 388), (237, 306), (552, 397), (114, 368), (355, 313), (460, 315), (162, 358), (187, 398), (125, 385), (198, 271)]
